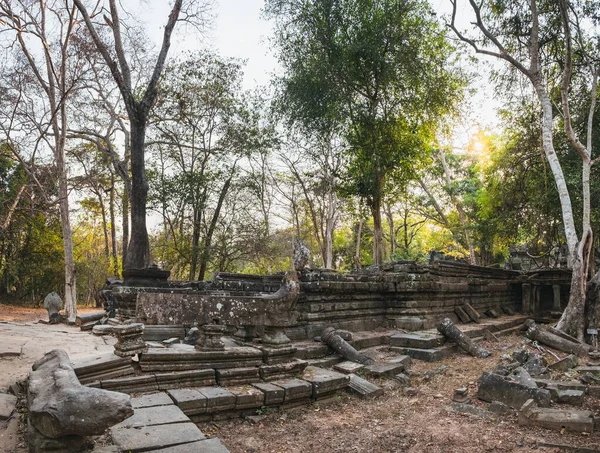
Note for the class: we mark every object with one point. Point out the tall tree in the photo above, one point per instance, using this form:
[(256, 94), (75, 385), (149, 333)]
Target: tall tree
[(536, 39), (379, 70), (43, 32), (138, 109)]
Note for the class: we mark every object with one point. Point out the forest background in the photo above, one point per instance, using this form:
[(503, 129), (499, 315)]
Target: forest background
[(236, 170)]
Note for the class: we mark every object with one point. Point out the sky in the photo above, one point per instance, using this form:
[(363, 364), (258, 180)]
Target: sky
[(238, 30)]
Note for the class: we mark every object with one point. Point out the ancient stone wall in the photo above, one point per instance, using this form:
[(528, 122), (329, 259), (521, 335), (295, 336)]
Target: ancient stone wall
[(405, 295)]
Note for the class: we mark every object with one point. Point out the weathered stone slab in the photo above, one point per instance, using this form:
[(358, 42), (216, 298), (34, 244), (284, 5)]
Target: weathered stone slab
[(218, 399), (158, 415), (421, 340), (273, 394), (134, 384), (324, 381), (247, 397), (403, 359), (290, 369), (11, 348), (473, 314), (190, 401), (556, 419), (363, 388), (348, 367), (428, 355), (105, 366), (295, 389), (134, 440), (469, 409), (7, 405), (151, 400), (462, 315), (573, 397), (493, 387), (564, 385), (237, 376), (213, 445), (161, 332), (565, 364), (187, 378)]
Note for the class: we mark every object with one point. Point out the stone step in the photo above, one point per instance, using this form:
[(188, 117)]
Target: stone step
[(326, 362), (150, 416), (324, 382), (363, 388), (420, 340), (151, 438)]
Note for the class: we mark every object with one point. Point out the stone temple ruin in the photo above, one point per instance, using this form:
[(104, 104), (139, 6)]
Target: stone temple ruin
[(228, 347)]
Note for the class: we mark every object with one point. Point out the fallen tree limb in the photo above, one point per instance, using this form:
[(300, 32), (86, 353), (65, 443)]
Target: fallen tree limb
[(450, 331)]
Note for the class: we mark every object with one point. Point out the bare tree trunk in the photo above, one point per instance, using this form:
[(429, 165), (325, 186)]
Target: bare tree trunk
[(138, 253), (378, 256), (65, 224), (461, 212), (104, 224), (330, 224), (357, 263), (211, 229), (113, 228)]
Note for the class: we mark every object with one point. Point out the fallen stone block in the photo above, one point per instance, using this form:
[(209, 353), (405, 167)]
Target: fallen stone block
[(59, 405), (449, 330), (499, 408), (493, 387), (384, 369), (7, 405), (508, 310), (570, 361), (573, 397), (471, 410), (422, 340), (491, 313), (363, 388), (473, 314), (462, 315), (556, 419)]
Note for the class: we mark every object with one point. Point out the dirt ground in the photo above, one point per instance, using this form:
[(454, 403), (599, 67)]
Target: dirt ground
[(392, 423)]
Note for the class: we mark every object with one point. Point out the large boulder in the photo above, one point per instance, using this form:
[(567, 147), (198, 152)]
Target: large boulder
[(60, 406), (53, 304)]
